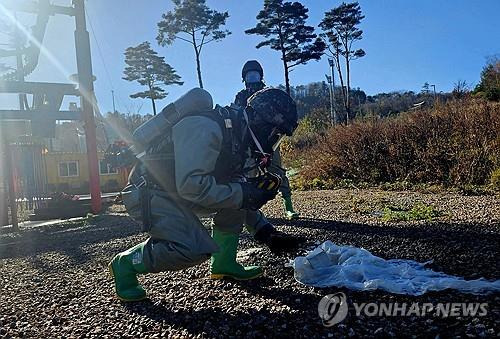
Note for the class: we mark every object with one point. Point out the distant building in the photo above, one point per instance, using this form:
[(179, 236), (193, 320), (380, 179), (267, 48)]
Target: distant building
[(68, 172)]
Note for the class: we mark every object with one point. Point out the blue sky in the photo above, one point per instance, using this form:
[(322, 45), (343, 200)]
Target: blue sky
[(407, 43)]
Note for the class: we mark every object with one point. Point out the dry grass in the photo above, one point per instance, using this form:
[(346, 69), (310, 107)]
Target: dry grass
[(456, 143)]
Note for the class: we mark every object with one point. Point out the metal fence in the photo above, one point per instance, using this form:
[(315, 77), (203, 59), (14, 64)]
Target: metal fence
[(30, 175)]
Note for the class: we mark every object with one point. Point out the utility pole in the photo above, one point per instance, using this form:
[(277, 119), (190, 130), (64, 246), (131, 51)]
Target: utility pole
[(434, 87), (86, 88), (332, 74), (113, 97), (19, 63)]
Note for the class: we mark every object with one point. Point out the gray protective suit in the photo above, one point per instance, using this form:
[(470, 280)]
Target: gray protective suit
[(178, 239)]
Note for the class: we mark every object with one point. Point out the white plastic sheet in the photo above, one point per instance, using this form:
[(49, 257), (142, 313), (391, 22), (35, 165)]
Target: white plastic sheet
[(357, 269)]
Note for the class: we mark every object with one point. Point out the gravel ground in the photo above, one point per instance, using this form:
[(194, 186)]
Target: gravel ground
[(54, 280)]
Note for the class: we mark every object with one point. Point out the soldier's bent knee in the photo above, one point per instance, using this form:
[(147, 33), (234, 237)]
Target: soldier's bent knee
[(161, 255)]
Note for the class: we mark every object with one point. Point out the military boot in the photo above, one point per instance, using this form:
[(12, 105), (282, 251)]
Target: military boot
[(124, 269), (276, 240), (223, 263), (288, 206)]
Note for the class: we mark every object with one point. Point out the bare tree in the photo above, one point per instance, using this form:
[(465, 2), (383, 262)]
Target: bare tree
[(460, 89)]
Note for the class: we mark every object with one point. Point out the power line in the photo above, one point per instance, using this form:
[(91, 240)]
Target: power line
[(118, 97), (99, 50)]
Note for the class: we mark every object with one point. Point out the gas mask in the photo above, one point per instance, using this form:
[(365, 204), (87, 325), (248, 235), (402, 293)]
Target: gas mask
[(253, 81)]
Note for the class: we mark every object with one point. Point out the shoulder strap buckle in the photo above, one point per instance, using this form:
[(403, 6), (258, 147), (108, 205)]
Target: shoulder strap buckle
[(142, 182)]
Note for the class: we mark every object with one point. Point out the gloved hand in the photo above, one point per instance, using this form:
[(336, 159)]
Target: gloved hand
[(268, 181), (254, 197)]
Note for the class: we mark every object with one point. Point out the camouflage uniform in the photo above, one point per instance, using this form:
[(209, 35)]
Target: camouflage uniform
[(255, 220)]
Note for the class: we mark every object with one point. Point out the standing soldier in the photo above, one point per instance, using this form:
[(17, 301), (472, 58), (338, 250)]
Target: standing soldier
[(192, 163), (253, 74)]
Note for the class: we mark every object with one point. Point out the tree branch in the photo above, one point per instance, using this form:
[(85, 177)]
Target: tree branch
[(195, 45), (295, 64), (206, 42), (350, 44), (340, 38), (204, 35), (332, 53), (203, 41), (181, 38)]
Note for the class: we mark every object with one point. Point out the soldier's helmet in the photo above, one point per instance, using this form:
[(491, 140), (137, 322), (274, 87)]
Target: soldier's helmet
[(272, 114), (252, 65)]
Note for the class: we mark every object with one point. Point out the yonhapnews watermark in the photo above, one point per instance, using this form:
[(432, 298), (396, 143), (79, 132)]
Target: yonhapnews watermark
[(333, 309)]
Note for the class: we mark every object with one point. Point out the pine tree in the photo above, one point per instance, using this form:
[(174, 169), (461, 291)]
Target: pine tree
[(340, 27), (489, 86), (283, 24), (193, 22), (150, 70)]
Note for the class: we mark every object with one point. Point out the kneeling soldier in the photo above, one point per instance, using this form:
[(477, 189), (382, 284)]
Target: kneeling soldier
[(192, 165)]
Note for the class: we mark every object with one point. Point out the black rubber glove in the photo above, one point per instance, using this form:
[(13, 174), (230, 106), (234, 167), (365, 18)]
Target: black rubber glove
[(254, 198)]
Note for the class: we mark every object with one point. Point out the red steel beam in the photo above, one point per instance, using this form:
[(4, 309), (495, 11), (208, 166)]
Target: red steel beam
[(86, 87)]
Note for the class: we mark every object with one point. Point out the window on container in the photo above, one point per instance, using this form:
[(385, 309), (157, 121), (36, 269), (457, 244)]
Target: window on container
[(68, 169), (105, 168)]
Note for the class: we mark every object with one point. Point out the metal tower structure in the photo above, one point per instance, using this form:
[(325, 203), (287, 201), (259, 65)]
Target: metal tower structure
[(47, 97)]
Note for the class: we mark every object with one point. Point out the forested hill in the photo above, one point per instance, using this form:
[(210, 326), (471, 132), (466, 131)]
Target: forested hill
[(314, 98)]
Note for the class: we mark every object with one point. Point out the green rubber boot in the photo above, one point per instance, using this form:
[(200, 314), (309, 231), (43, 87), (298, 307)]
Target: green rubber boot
[(223, 263), (124, 269), (289, 212)]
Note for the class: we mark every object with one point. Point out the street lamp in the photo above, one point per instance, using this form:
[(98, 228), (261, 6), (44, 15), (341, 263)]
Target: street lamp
[(329, 80)]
